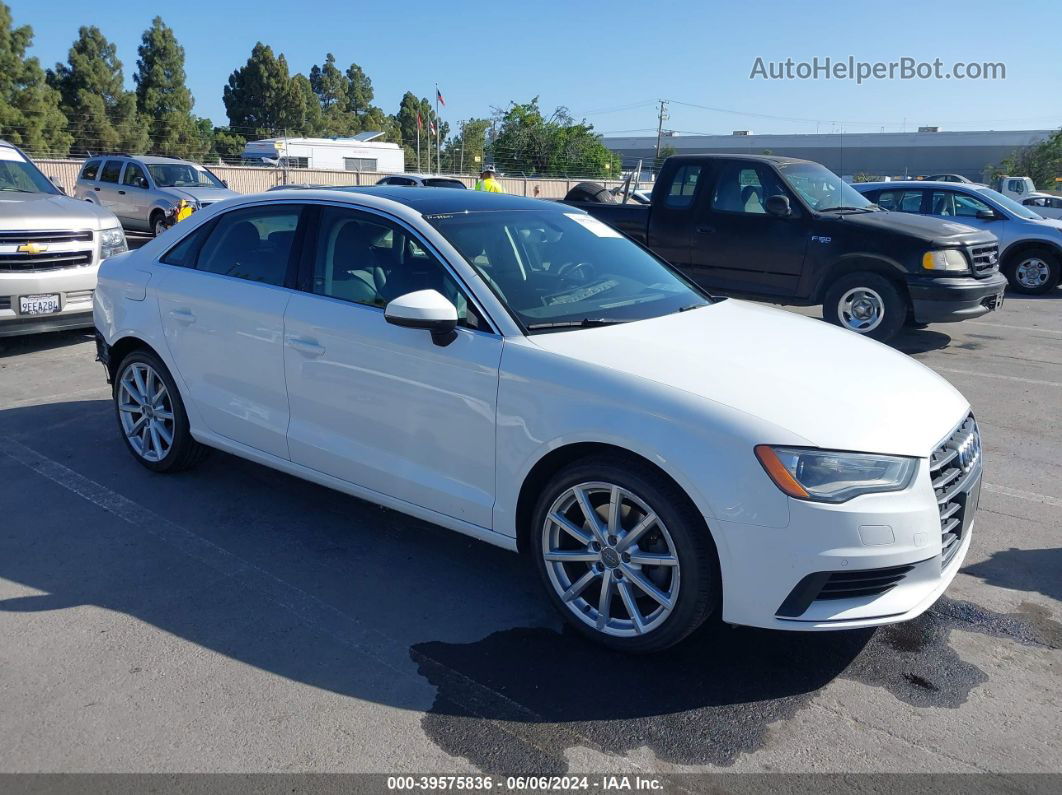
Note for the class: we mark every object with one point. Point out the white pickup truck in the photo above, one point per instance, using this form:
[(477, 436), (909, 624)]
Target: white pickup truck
[(51, 247)]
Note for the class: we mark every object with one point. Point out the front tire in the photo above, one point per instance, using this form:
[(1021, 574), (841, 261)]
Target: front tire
[(624, 556), (158, 223), (151, 415), (866, 303), (1034, 271)]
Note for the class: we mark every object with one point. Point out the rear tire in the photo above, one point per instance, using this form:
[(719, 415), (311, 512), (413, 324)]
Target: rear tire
[(1034, 271), (151, 415), (589, 192), (866, 303), (656, 560)]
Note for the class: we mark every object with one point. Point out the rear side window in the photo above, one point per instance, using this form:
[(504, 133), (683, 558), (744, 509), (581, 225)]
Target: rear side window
[(253, 244), (90, 170), (111, 170), (683, 186), (184, 253), (905, 201), (444, 183)]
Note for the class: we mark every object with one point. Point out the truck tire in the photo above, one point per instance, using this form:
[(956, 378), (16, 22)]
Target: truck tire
[(590, 192), (1033, 271), (866, 303)]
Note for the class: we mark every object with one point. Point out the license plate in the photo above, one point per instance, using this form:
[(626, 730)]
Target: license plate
[(997, 301), (38, 304)]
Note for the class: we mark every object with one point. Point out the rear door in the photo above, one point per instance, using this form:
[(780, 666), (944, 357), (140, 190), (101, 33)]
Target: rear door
[(739, 245), (670, 218), (222, 295), (106, 189)]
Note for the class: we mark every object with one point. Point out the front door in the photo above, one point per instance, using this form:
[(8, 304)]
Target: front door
[(222, 300), (740, 246), (381, 406)]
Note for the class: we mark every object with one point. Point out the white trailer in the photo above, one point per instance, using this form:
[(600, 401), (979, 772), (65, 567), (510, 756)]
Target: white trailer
[(359, 153)]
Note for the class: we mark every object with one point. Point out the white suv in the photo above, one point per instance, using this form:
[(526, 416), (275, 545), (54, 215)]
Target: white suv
[(517, 371), (50, 248)]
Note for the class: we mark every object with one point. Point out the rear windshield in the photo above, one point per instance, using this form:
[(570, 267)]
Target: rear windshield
[(444, 183)]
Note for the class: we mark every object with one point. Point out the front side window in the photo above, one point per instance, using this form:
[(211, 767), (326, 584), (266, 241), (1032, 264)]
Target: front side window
[(368, 260), (90, 170), (134, 176), (183, 175), (683, 186), (950, 204), (112, 169), (900, 200), (744, 188), (253, 244), (1008, 203), (821, 188), (557, 269)]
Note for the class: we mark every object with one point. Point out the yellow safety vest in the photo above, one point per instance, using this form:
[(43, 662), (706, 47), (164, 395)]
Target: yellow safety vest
[(490, 185)]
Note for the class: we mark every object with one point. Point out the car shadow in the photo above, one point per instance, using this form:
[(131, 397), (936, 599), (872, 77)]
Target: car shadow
[(43, 341), (332, 592), (911, 340), (1034, 570)]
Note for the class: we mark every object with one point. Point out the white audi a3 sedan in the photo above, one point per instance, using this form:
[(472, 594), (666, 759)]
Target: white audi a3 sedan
[(517, 371)]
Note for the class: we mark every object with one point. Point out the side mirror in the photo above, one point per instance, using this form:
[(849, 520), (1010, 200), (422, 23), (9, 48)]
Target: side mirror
[(225, 182), (426, 309), (778, 206), (987, 215)]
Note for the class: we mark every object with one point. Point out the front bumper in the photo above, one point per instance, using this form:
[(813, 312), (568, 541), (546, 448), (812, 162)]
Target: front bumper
[(833, 552), (74, 286), (953, 299)]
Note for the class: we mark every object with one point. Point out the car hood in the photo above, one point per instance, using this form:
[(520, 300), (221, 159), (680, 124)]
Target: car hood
[(827, 385), (932, 230), (1054, 223), (19, 211), (202, 194)]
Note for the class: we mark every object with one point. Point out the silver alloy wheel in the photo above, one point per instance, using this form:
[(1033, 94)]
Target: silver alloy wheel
[(159, 226), (611, 559), (861, 309), (146, 411), (1032, 273)]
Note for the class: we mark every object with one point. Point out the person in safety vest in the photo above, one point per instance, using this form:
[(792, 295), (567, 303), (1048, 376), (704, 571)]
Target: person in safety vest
[(487, 181)]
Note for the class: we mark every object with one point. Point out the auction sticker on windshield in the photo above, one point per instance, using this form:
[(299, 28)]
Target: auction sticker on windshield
[(7, 153), (599, 228)]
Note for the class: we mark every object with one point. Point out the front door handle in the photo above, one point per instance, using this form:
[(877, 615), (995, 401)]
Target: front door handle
[(183, 316), (95, 188), (706, 230), (121, 193), (307, 346)]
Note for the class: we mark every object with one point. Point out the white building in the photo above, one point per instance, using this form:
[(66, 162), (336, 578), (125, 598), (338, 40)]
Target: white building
[(359, 153)]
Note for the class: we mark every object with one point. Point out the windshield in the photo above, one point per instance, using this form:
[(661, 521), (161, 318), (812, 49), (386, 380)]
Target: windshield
[(555, 269), (19, 176), (1019, 210), (821, 188), (181, 175)]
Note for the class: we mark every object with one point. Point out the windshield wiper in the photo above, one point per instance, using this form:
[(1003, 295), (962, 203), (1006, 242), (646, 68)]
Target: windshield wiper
[(17, 190), (844, 208), (586, 322)]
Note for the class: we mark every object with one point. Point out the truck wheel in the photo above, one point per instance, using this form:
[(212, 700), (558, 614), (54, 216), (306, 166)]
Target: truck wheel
[(867, 304), (589, 192), (1034, 271)]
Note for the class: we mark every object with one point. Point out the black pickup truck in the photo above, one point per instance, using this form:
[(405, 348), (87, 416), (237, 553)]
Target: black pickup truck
[(792, 232)]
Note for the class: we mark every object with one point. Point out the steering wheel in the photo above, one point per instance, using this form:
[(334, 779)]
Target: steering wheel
[(577, 272)]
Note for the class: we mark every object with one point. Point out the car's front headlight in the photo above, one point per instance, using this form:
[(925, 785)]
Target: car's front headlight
[(112, 241), (832, 476), (949, 259)]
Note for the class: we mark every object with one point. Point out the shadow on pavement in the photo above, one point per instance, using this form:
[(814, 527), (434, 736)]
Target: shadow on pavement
[(1037, 570), (43, 341)]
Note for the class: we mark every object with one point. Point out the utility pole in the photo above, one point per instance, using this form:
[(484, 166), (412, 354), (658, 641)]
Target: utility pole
[(660, 128)]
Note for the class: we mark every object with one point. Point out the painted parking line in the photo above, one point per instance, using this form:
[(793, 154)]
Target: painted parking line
[(1014, 328), (103, 391), (1030, 496), (981, 374)]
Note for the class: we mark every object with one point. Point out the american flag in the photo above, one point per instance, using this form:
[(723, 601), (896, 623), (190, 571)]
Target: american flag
[(420, 121), (439, 96)]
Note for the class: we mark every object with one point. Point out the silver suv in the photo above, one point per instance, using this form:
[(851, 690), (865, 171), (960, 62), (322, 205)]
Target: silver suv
[(142, 189), (51, 247)]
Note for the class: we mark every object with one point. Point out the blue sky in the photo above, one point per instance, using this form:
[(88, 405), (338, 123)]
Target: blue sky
[(485, 54)]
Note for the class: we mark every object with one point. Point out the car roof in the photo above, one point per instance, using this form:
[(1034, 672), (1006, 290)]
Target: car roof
[(149, 159), (776, 159), (919, 183), (434, 201)]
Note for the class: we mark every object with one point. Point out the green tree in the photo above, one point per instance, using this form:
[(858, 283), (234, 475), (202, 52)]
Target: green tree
[(466, 151), (163, 97), (358, 90), (530, 143), (262, 99), (329, 84), (30, 114), (102, 115), (1042, 162), (405, 123), (228, 145)]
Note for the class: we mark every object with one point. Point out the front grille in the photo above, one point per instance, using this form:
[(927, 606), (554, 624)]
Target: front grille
[(79, 296), (5, 302), (831, 585), (952, 467), (45, 237), (45, 261), (985, 260)]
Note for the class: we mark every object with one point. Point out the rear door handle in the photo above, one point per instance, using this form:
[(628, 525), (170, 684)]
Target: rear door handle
[(706, 230), (182, 316), (95, 188), (305, 345), (121, 193)]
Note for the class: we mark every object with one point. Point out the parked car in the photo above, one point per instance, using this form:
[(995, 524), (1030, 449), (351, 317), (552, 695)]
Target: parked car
[(50, 249), (1045, 205), (422, 181), (1030, 246), (141, 190), (791, 231), (518, 371), (950, 178)]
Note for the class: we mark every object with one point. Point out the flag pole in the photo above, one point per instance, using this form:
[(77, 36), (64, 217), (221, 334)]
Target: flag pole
[(418, 140), (438, 131)]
